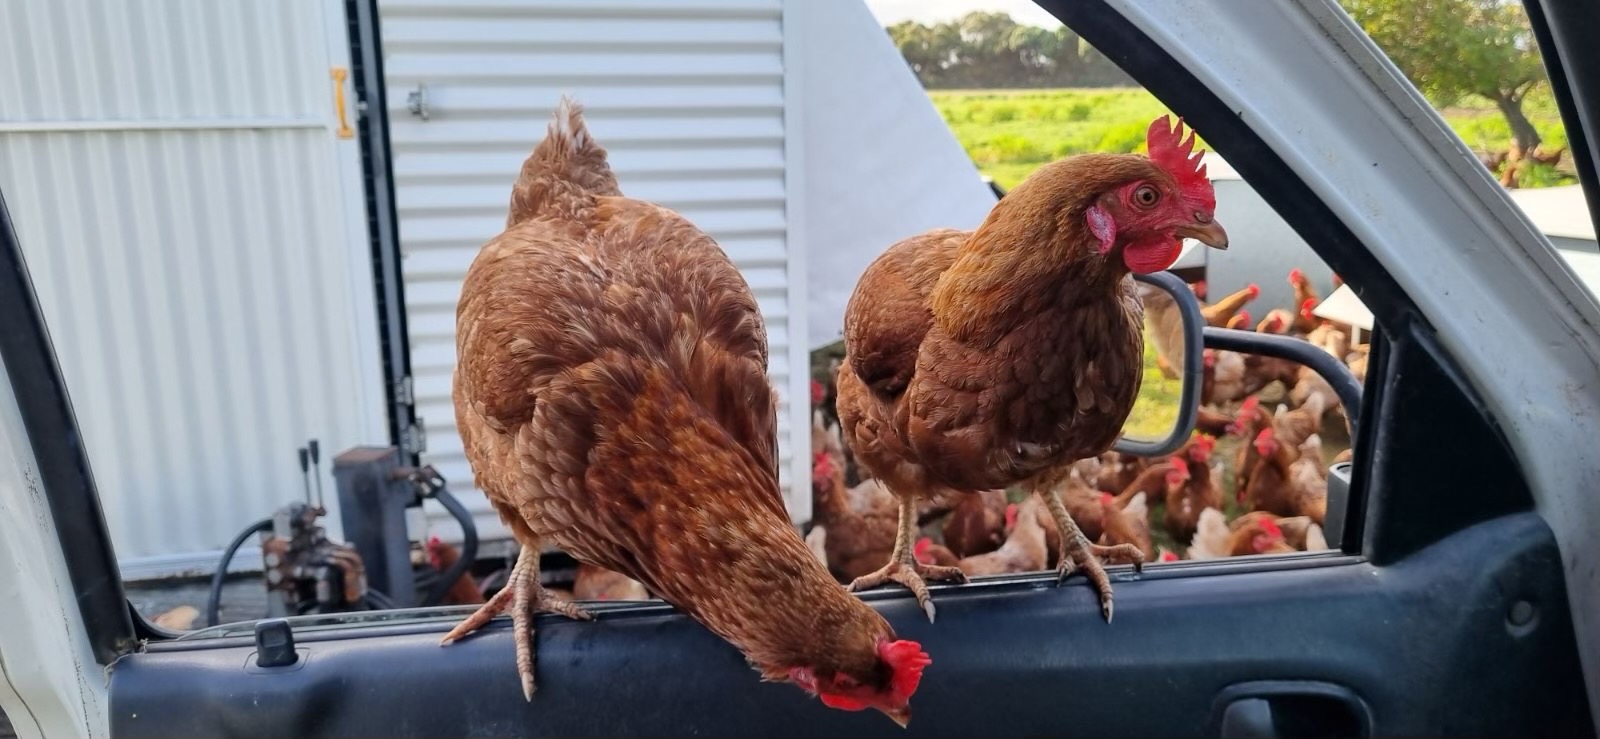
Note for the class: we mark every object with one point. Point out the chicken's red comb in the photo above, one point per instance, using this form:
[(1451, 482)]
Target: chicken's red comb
[(1244, 316), (1169, 557), (1267, 434), (1179, 471), (906, 661), (1255, 290), (1270, 528), (1250, 404), (1106, 499), (1206, 442), (818, 392), (1306, 306), (921, 547), (1011, 515), (1175, 153), (1296, 276)]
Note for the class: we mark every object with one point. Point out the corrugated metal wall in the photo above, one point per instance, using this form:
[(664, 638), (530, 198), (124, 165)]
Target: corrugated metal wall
[(687, 97), (193, 225)]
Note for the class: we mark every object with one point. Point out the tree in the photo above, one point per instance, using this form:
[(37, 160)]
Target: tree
[(1453, 48), (991, 50)]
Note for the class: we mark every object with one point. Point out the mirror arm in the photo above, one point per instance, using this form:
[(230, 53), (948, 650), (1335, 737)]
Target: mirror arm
[(1193, 346), (1294, 350)]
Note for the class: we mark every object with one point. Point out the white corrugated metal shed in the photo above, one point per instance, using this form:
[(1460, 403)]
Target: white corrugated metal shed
[(195, 217), (193, 225), (687, 97)]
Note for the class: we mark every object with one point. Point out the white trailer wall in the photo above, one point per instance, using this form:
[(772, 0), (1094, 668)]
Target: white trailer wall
[(194, 226)]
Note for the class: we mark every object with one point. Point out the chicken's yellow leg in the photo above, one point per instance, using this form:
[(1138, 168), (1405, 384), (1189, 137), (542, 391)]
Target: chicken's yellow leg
[(903, 566)]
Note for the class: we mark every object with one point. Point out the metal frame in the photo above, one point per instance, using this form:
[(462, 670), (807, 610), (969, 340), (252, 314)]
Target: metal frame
[(65, 479), (366, 55), (1189, 399), (1295, 350)]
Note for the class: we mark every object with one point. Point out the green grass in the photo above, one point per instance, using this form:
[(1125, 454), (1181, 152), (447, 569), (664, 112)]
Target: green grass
[(1155, 411), (1009, 133)]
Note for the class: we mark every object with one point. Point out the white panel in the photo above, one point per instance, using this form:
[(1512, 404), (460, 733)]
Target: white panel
[(687, 97), (194, 232), (887, 170)]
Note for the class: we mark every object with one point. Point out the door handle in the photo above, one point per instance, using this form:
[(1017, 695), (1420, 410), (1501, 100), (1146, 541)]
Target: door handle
[(1290, 708)]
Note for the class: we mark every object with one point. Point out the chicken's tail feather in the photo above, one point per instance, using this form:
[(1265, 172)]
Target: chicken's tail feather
[(565, 172)]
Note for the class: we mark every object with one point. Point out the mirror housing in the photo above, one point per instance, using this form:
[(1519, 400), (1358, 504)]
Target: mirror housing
[(1185, 307)]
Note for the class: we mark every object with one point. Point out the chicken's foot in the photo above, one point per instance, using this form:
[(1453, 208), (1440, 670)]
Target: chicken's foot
[(525, 597), (1080, 553), (903, 566)]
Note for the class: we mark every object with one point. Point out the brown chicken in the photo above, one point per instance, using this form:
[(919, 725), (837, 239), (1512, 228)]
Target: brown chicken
[(1024, 550), (998, 357), (930, 553), (1240, 321), (1212, 422), (1126, 524), (1249, 420), (597, 583), (1299, 532), (1278, 321), (1117, 471), (1305, 299), (444, 556), (859, 537), (1224, 378), (1286, 479), (977, 525), (1218, 313), (1195, 491), (613, 400), (1215, 540)]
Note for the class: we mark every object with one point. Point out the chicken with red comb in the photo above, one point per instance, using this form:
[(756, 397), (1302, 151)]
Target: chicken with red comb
[(986, 359)]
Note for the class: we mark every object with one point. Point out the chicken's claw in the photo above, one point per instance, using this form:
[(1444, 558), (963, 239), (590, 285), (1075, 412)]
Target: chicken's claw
[(1080, 553), (1088, 557), (525, 597), (913, 575), (903, 566)]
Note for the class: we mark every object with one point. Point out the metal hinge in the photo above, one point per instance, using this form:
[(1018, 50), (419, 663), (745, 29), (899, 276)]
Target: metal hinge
[(414, 439), (404, 391)]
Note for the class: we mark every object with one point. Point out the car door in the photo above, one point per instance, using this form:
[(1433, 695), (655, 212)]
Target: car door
[(1445, 607)]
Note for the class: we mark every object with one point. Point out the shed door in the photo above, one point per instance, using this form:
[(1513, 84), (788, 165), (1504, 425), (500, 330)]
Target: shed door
[(688, 99), (208, 280)]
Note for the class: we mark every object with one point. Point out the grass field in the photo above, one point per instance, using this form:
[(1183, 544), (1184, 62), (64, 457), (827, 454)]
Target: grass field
[(1009, 133)]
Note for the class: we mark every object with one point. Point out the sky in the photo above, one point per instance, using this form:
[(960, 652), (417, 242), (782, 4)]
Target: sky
[(890, 12)]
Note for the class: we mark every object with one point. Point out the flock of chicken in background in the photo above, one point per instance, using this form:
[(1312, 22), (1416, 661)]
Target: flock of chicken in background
[(1275, 461), (1280, 509)]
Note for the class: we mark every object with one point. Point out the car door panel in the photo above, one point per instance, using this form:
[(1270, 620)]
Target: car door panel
[(1015, 657)]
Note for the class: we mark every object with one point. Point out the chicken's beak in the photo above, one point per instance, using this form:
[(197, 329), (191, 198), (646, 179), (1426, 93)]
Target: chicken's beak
[(1205, 230), (901, 715)]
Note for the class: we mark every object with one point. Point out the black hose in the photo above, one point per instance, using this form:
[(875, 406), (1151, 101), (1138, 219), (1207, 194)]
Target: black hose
[(469, 548), (214, 603)]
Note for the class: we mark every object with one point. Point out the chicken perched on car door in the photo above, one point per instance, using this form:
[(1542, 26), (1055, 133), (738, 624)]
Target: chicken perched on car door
[(988, 358), (612, 395)]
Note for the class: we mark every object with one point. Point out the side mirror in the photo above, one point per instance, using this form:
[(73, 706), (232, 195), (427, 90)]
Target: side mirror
[(1164, 413)]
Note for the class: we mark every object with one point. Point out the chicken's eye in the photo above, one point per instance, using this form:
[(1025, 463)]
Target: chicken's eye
[(1146, 196)]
